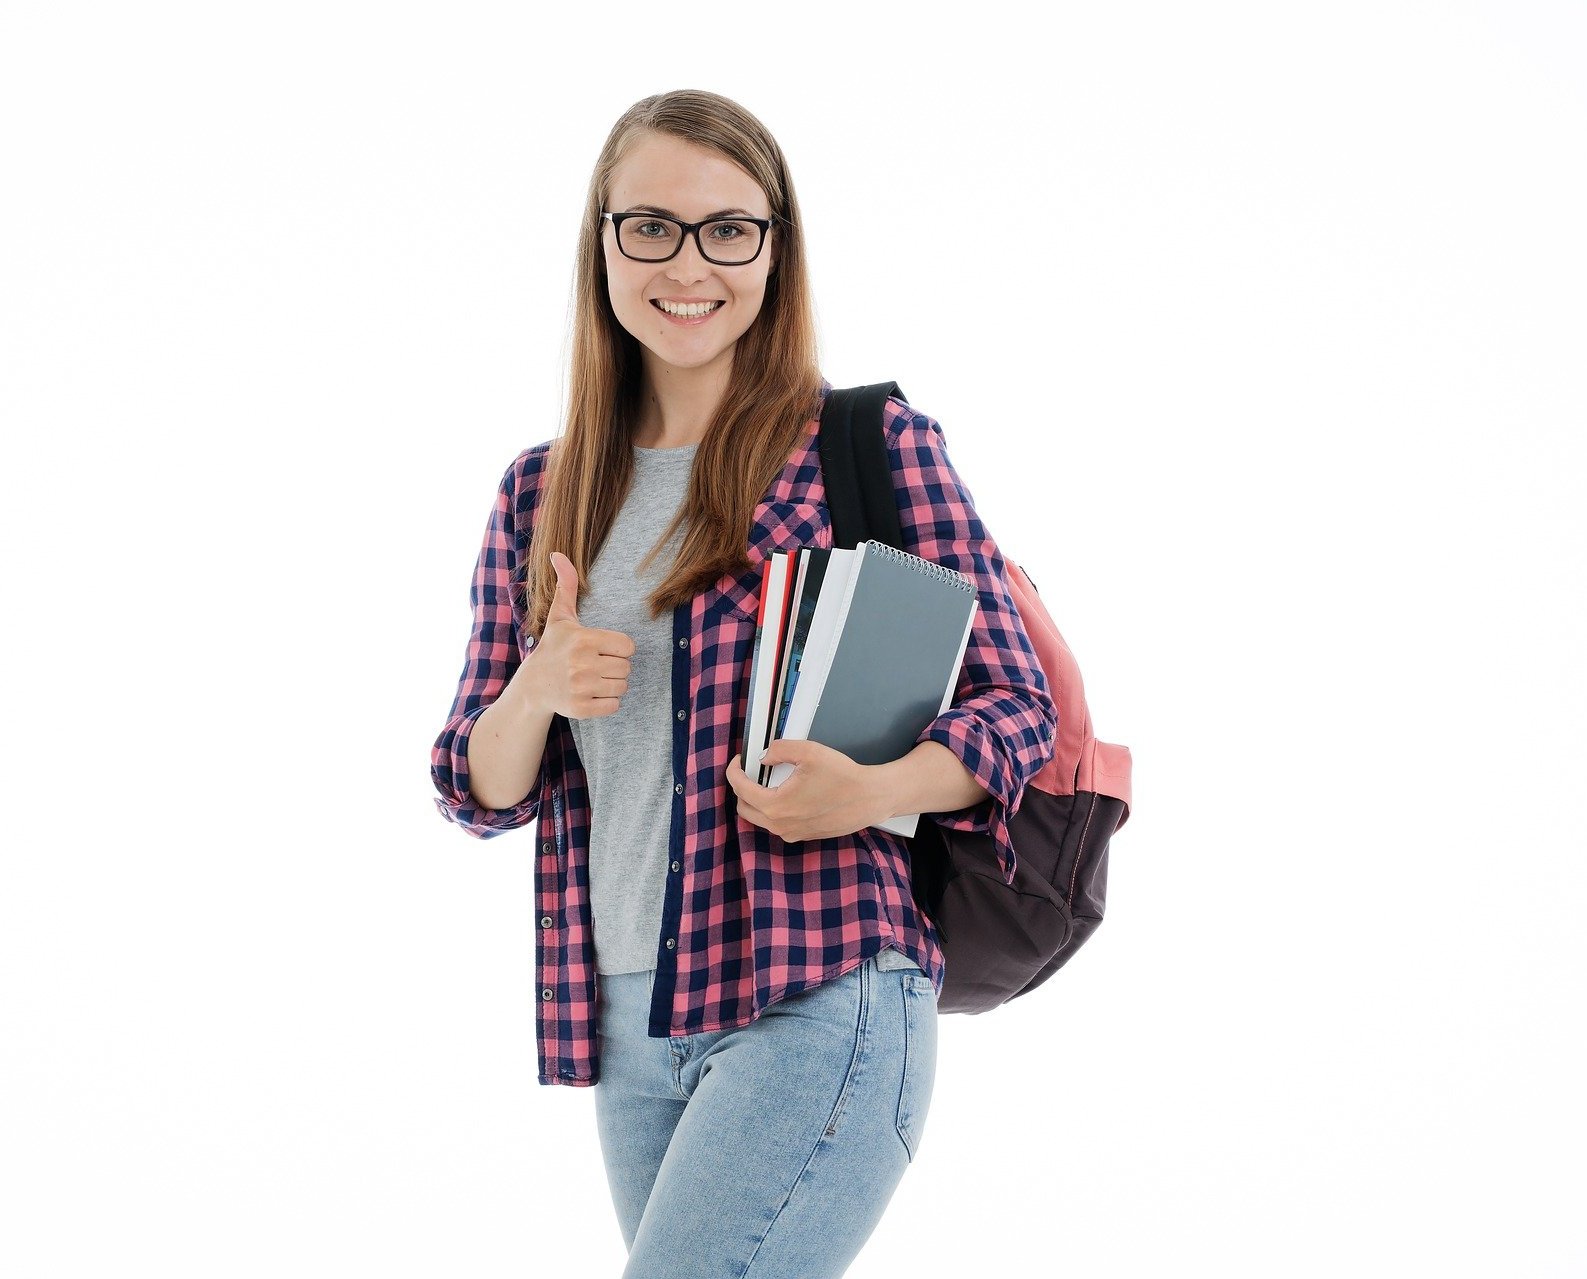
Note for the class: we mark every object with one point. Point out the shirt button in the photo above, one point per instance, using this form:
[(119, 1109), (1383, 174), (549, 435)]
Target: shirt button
[(546, 847), (677, 788), (674, 865), (683, 643), (545, 921), (672, 943), (546, 993), (681, 714)]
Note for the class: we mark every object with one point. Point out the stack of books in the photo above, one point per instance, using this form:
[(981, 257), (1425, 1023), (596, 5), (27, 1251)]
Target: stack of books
[(856, 649)]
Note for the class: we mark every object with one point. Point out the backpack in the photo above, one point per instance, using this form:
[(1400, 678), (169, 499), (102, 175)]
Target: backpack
[(999, 940)]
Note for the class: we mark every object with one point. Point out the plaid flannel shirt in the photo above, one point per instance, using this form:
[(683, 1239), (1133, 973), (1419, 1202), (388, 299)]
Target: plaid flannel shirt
[(749, 919)]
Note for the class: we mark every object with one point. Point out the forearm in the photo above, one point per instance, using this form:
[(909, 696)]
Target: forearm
[(930, 779), (507, 745)]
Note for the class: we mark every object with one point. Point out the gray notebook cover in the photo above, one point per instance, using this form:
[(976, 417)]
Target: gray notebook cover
[(898, 655)]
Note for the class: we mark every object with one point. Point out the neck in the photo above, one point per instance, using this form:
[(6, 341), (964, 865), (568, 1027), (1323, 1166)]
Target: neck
[(675, 405)]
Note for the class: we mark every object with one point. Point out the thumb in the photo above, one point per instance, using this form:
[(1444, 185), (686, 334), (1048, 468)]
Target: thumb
[(784, 750), (565, 600)]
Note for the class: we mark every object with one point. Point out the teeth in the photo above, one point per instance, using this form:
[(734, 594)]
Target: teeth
[(687, 308)]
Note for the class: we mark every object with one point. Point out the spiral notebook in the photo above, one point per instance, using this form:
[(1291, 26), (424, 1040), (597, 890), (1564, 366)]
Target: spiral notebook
[(881, 658)]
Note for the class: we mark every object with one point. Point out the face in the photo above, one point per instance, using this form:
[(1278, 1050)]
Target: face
[(666, 174)]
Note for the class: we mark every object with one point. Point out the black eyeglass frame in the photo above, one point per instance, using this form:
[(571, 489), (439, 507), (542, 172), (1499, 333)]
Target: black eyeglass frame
[(689, 228)]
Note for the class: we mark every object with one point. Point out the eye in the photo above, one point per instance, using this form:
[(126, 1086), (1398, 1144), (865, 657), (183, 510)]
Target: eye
[(733, 231), (639, 228)]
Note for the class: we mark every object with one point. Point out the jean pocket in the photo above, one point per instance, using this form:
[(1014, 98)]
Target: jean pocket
[(891, 959), (920, 1058)]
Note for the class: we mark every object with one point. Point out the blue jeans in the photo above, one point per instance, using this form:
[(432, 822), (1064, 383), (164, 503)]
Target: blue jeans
[(766, 1151)]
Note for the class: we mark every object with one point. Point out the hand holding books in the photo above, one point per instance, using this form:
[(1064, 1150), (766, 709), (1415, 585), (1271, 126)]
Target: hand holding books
[(857, 650), (826, 794)]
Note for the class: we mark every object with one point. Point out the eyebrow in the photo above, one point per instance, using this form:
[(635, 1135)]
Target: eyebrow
[(656, 208)]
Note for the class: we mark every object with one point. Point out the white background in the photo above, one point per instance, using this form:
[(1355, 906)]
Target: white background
[(1257, 332)]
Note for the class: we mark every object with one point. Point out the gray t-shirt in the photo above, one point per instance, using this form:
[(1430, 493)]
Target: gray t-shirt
[(627, 756)]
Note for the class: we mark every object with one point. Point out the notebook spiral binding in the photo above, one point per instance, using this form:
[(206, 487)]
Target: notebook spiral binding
[(930, 567)]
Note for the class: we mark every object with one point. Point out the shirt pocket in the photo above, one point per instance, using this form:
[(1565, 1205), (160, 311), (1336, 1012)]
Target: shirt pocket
[(778, 526)]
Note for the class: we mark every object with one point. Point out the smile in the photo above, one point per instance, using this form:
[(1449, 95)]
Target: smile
[(687, 313)]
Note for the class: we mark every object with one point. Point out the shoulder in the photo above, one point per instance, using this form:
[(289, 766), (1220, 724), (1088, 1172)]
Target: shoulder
[(525, 472), (908, 430), (519, 490)]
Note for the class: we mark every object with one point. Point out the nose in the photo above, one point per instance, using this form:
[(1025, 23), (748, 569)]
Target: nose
[(689, 264)]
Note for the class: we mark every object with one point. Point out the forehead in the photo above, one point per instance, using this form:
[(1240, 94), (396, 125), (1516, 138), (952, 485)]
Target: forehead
[(683, 176)]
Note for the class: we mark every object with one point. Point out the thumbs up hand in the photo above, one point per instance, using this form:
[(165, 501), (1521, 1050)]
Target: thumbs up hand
[(577, 671)]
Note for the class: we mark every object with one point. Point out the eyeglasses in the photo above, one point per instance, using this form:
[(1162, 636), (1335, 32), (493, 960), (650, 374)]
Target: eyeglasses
[(650, 237)]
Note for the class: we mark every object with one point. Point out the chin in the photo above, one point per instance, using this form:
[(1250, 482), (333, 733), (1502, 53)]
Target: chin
[(686, 360)]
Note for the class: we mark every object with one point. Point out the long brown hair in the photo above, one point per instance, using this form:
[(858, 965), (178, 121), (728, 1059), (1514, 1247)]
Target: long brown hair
[(772, 391)]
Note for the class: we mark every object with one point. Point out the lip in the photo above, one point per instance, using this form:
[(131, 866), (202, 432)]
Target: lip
[(687, 322)]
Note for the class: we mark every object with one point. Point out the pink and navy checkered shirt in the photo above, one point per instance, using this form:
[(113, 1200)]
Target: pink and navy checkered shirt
[(749, 919)]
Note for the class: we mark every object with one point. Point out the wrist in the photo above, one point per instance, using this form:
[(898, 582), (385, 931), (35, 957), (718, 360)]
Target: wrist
[(878, 788), (524, 697), (892, 787)]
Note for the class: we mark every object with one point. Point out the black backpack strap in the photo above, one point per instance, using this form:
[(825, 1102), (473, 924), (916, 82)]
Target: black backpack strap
[(862, 504), (854, 466)]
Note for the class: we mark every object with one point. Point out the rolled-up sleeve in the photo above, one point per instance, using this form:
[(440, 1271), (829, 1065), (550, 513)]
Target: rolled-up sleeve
[(1002, 724), (491, 658)]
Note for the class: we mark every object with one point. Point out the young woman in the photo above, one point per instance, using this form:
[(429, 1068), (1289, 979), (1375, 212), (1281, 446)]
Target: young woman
[(740, 971)]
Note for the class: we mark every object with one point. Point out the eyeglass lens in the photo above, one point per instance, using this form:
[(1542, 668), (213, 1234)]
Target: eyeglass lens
[(727, 240)]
